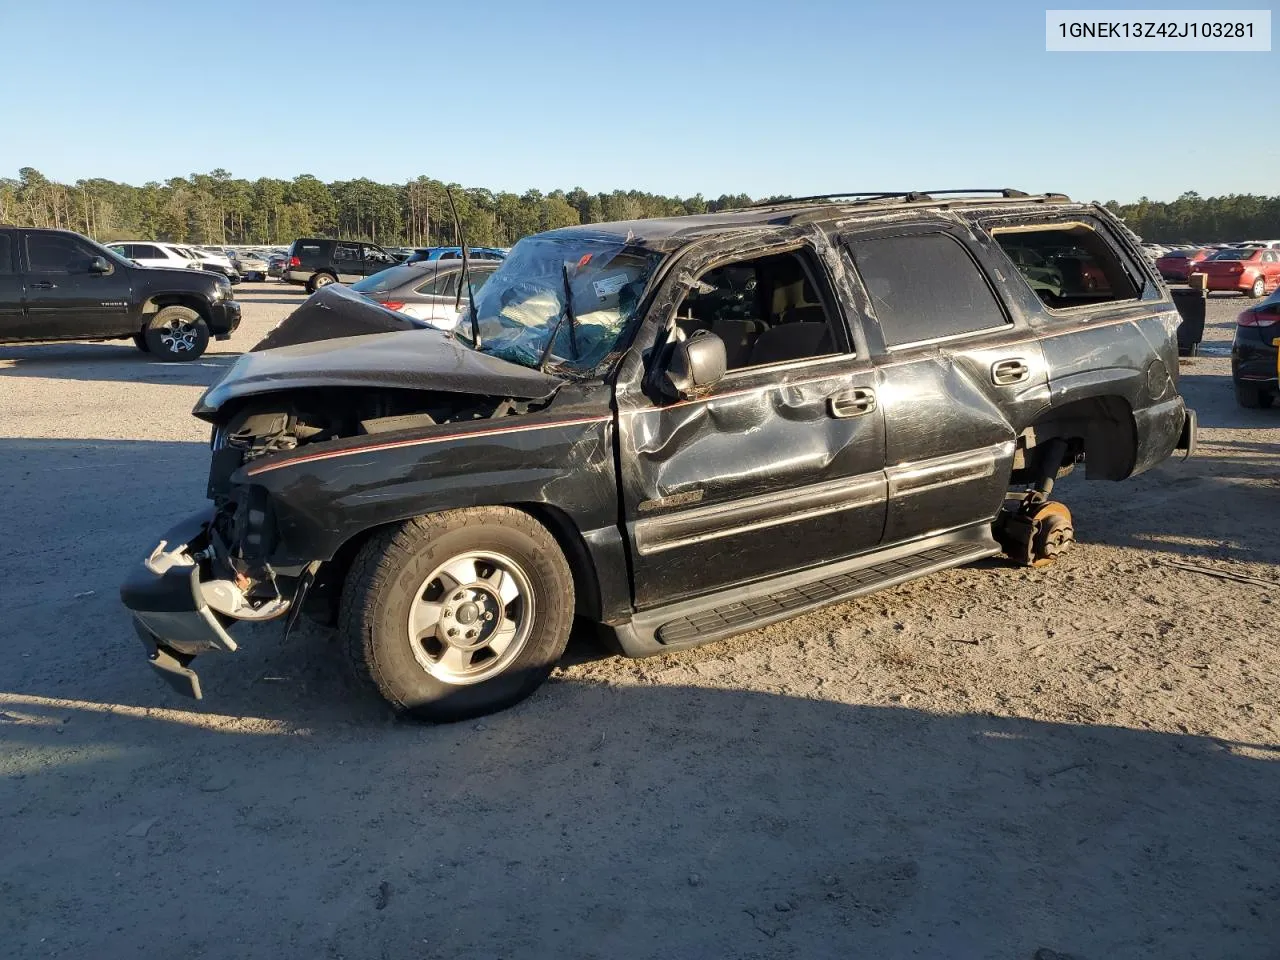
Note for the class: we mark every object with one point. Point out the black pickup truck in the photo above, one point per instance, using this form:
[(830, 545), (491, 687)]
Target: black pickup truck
[(675, 429), (58, 285)]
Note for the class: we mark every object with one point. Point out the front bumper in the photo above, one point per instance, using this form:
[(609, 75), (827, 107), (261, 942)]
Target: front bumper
[(180, 610), (224, 318)]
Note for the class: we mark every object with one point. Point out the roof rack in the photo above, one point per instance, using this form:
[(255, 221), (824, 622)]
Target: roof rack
[(911, 196)]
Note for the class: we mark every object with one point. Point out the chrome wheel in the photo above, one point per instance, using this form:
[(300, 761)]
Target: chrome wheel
[(471, 617), (321, 280), (179, 336)]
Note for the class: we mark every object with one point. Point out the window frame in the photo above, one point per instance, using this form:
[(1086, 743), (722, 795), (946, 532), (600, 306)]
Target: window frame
[(437, 277), (933, 228), (390, 261), (79, 244), (1139, 270), (822, 286)]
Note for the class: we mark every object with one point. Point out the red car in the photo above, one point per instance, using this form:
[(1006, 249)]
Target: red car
[(1253, 271), (1177, 264)]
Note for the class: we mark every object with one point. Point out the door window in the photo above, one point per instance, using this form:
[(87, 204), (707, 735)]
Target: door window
[(346, 253), (57, 253), (145, 251), (925, 287), (766, 310), (377, 255), (442, 285), (6, 254)]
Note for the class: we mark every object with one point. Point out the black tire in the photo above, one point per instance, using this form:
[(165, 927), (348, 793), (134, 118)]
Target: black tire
[(176, 333), (140, 341), (1258, 289), (320, 280), (394, 571), (1251, 397)]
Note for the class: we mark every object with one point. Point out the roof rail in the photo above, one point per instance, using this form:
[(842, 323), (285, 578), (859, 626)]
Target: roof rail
[(910, 196)]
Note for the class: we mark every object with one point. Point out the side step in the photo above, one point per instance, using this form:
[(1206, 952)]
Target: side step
[(694, 622)]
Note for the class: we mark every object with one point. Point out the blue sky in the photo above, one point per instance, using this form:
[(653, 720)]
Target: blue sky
[(671, 97)]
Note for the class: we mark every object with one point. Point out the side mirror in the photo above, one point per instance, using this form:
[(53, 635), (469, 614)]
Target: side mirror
[(99, 265), (696, 364)]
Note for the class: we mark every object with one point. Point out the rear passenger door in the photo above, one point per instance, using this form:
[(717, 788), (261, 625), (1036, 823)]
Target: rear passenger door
[(958, 376)]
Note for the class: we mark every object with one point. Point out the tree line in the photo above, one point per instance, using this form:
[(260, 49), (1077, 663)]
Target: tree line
[(217, 208), (1196, 219)]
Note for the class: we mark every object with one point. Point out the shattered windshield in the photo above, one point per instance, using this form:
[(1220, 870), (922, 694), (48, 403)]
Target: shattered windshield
[(581, 291)]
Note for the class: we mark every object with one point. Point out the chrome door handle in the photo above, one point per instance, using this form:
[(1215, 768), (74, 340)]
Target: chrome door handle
[(855, 403), (1007, 372), (44, 285)]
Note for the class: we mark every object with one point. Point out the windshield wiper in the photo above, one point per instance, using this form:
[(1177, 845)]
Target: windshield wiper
[(566, 314)]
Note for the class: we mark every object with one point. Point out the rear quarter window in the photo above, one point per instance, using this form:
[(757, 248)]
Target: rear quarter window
[(1068, 265)]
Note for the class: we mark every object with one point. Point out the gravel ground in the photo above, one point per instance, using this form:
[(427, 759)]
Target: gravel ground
[(988, 763)]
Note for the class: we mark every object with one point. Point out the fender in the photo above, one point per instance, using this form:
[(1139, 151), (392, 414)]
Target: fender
[(561, 462)]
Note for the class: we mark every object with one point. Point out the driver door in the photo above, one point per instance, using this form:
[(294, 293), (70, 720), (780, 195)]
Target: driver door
[(65, 298), (780, 465)]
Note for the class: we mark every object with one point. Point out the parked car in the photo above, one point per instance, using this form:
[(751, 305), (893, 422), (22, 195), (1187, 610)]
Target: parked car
[(455, 253), (58, 285), (276, 264), (1043, 277), (251, 265), (425, 291), (677, 429), (1176, 264), (1269, 244), (152, 253), (1253, 271), (1254, 354), (213, 262), (315, 262)]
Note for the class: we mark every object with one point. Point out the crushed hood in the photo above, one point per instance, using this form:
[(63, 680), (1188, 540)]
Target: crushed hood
[(334, 311), (422, 359)]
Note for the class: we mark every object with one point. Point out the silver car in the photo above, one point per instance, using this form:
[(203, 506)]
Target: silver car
[(427, 291)]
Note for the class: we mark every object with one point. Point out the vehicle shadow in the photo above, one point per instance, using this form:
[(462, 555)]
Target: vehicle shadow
[(633, 821), (110, 361)]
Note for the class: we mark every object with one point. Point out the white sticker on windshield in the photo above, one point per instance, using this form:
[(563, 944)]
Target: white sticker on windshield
[(610, 285)]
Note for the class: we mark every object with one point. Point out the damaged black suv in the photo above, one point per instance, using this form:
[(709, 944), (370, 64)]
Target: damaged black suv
[(674, 429)]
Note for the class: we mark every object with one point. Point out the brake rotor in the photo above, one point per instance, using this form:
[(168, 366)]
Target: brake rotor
[(1053, 533)]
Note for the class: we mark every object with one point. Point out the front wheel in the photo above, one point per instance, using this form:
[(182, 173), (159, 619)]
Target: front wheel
[(176, 333), (458, 614)]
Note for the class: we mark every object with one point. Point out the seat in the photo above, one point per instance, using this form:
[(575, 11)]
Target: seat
[(739, 338), (791, 341)]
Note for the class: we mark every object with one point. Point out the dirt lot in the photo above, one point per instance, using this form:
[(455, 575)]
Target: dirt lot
[(988, 763)]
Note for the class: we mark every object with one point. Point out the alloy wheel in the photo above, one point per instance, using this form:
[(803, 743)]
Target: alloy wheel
[(178, 336)]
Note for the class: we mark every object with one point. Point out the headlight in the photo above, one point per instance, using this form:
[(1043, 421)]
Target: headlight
[(222, 289)]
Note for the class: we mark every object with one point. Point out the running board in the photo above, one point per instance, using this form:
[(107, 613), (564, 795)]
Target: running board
[(691, 623)]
